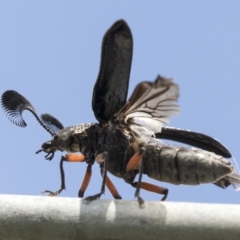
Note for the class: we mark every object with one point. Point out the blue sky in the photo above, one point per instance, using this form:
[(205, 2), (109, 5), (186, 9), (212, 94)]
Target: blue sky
[(50, 53)]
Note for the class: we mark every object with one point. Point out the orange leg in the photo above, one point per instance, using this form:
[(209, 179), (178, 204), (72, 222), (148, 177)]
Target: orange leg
[(100, 159), (104, 175), (73, 157), (86, 181), (112, 188), (133, 162), (108, 183), (152, 188)]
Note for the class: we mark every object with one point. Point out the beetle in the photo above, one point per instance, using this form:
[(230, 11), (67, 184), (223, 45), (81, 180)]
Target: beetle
[(109, 102)]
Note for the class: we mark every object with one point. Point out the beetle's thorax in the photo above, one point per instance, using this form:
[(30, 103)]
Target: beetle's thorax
[(63, 140), (88, 140)]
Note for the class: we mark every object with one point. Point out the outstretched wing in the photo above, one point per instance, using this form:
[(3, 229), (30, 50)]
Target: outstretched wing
[(152, 104), (111, 87), (195, 139)]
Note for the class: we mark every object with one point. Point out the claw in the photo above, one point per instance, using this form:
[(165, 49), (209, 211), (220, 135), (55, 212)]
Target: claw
[(52, 194), (91, 198), (141, 202)]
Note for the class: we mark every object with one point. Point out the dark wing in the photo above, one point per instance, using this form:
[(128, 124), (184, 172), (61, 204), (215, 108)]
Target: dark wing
[(14, 104), (194, 139), (111, 87), (54, 124)]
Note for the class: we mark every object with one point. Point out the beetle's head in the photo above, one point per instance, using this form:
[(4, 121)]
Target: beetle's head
[(62, 141), (48, 148)]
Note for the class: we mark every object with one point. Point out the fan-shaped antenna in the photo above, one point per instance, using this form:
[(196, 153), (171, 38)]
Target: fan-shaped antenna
[(51, 122), (14, 104)]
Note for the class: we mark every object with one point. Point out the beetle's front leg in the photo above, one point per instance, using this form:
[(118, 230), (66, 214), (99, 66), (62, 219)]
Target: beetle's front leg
[(66, 158)]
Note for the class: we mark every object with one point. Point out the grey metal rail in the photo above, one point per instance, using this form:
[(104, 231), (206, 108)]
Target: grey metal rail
[(29, 217)]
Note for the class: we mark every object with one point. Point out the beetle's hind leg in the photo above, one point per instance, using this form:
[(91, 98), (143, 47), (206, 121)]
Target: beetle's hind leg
[(112, 188), (152, 188), (132, 165)]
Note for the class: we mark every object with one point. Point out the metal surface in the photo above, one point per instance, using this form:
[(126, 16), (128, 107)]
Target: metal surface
[(29, 217)]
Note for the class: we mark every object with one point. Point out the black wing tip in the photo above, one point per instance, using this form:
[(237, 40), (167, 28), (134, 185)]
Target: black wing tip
[(227, 154), (195, 139), (119, 25)]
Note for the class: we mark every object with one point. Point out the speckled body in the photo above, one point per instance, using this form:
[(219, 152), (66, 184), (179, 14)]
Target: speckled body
[(176, 165), (180, 165), (67, 139)]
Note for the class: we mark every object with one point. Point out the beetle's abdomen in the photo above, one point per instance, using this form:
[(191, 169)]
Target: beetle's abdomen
[(184, 165)]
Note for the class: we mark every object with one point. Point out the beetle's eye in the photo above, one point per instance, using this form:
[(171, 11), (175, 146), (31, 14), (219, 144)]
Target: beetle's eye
[(55, 138)]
